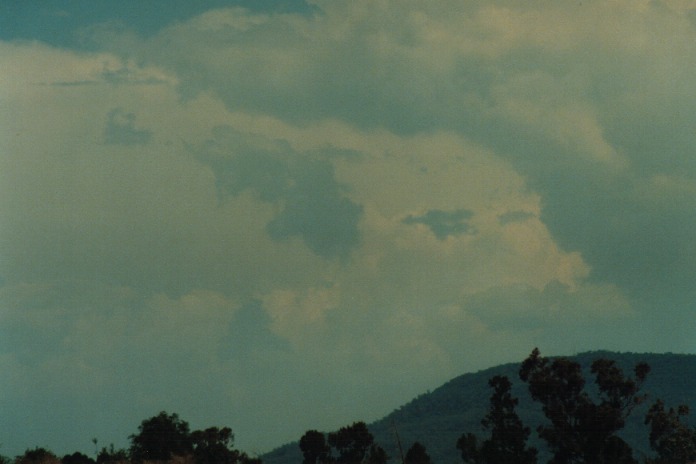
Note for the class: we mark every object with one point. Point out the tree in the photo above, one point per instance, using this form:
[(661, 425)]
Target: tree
[(112, 456), (214, 445), (583, 429), (376, 455), (672, 440), (246, 459), (508, 440), (77, 458), (417, 454), (161, 437), (352, 444), (37, 456), (314, 448), (355, 444)]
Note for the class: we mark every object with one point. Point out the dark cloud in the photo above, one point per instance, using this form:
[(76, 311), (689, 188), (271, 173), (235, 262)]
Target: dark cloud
[(312, 203), (627, 238), (444, 223), (120, 129), (262, 172), (250, 331), (315, 210)]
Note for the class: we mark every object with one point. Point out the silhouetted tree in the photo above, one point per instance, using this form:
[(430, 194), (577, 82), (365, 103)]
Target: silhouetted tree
[(112, 456), (355, 444), (37, 456), (246, 459), (215, 446), (583, 430), (314, 448), (376, 455), (672, 440), (508, 440), (77, 458), (417, 454), (161, 437)]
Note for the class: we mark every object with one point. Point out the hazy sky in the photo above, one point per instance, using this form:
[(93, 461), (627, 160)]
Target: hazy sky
[(278, 216)]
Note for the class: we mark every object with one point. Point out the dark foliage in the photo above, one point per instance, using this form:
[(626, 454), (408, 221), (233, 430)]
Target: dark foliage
[(165, 436), (77, 458), (214, 446), (112, 456), (37, 455), (314, 448), (161, 437), (672, 439), (417, 454), (353, 444), (508, 435), (583, 429)]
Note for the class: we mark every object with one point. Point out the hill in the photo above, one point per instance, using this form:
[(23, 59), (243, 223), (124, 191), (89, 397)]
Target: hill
[(437, 419)]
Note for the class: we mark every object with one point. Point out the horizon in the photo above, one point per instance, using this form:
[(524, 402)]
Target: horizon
[(391, 410), (236, 210)]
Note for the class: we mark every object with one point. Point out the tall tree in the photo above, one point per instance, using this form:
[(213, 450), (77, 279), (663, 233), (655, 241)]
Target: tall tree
[(376, 455), (417, 454), (673, 440), (314, 448), (160, 438), (353, 444), (214, 446), (583, 429), (508, 435)]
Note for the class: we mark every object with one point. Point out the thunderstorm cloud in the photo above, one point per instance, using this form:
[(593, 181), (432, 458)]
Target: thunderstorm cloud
[(283, 215)]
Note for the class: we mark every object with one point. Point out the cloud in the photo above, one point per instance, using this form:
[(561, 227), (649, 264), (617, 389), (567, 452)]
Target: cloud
[(443, 223), (281, 205), (313, 206), (582, 99), (524, 308), (120, 129), (315, 210), (515, 216)]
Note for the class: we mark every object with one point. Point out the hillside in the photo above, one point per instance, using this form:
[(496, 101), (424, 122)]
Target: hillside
[(438, 418)]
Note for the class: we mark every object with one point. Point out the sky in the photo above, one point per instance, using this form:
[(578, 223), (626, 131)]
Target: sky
[(280, 216)]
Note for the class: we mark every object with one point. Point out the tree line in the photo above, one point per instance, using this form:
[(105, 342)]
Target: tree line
[(583, 426), (164, 438)]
